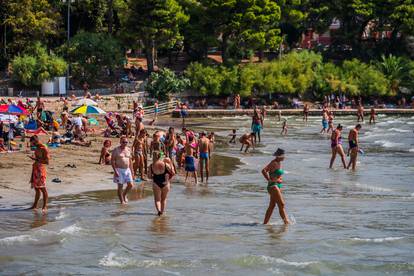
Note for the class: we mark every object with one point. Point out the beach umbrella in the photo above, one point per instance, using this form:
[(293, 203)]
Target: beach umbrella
[(88, 109), (13, 109), (85, 101)]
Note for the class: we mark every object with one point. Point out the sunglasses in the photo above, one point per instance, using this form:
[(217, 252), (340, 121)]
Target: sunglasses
[(125, 142)]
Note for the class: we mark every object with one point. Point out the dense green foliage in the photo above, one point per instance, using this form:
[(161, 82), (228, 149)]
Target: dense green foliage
[(156, 23), (36, 66), (379, 33), (91, 54), (297, 73), (161, 85)]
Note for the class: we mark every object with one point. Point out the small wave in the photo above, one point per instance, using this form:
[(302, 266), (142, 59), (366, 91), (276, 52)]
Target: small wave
[(113, 260), (61, 216), (263, 260), (400, 130), (411, 150), (410, 123), (387, 144), (7, 241), (373, 188), (72, 229), (378, 240)]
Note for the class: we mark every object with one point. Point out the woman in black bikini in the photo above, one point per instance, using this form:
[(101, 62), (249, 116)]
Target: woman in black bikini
[(161, 173)]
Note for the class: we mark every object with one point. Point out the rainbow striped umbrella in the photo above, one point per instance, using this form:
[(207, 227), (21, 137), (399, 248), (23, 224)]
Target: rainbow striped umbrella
[(88, 109)]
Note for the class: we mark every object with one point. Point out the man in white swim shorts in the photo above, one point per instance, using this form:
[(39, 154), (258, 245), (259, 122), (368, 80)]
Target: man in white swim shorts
[(122, 164)]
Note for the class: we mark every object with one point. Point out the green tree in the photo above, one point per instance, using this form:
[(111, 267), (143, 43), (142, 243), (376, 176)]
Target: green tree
[(245, 24), (29, 21), (161, 85), (396, 70), (36, 66), (91, 54), (368, 80), (156, 23)]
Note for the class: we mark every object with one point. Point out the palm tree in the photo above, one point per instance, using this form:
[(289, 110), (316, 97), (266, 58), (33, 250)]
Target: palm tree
[(395, 70)]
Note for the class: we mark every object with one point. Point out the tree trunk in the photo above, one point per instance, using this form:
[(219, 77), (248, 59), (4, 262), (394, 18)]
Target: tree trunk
[(150, 56), (224, 46), (110, 16)]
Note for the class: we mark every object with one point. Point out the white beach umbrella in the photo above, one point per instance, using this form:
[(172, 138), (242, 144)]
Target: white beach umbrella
[(85, 101)]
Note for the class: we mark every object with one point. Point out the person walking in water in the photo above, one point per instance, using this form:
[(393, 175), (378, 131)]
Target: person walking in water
[(190, 161), (324, 120), (305, 112), (161, 173), (273, 174), (257, 124), (38, 180), (121, 161), (336, 146), (372, 116), (353, 145), (204, 149), (360, 113)]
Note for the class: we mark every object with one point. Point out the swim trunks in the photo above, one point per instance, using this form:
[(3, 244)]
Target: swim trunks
[(352, 144), (183, 113), (189, 164), (204, 155), (125, 176), (324, 123), (256, 128)]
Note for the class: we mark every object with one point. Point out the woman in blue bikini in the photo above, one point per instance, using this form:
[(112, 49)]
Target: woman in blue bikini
[(273, 174)]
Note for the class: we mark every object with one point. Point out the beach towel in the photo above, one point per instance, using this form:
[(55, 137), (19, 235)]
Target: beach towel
[(38, 131)]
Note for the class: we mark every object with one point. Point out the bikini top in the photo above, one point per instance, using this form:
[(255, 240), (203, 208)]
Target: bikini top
[(160, 178), (277, 173)]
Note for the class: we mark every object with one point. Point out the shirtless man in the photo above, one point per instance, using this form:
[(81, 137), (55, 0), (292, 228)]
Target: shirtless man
[(190, 151), (138, 148), (40, 106), (205, 153), (248, 140), (138, 124), (360, 113), (121, 161), (353, 145), (38, 180)]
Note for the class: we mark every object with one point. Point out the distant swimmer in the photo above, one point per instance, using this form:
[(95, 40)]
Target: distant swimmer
[(248, 140), (273, 174), (336, 146), (284, 127), (161, 172), (372, 116), (38, 179), (354, 145), (121, 161), (360, 113), (305, 112), (324, 121)]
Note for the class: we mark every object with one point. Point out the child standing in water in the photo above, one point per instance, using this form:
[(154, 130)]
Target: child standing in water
[(233, 137)]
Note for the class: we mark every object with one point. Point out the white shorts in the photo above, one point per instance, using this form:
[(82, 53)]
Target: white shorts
[(125, 176)]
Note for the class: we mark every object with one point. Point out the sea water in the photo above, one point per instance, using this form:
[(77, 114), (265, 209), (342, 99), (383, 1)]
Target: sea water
[(344, 222)]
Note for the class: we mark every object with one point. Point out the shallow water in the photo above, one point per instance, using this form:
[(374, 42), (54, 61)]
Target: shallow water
[(345, 222)]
